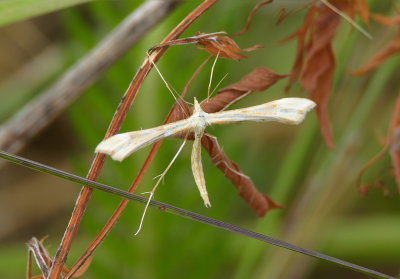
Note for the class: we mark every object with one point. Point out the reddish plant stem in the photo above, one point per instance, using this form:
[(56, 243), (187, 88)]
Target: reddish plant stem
[(116, 122)]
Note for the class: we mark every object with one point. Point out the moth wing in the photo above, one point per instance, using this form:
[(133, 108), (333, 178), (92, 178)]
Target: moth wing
[(122, 145), (286, 110)]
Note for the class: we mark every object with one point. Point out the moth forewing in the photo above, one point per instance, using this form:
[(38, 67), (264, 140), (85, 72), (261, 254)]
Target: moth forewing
[(286, 110), (122, 145)]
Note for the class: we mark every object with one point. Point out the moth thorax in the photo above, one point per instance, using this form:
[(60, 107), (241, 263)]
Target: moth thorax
[(200, 117)]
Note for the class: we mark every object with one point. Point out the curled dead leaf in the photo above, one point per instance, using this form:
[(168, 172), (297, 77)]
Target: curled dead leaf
[(353, 8), (393, 145), (258, 80), (386, 20), (315, 61), (223, 46), (250, 18), (214, 43), (259, 202), (364, 189), (387, 51)]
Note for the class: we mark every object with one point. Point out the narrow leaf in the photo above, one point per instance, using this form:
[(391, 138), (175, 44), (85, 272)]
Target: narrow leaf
[(317, 68), (387, 51), (16, 10)]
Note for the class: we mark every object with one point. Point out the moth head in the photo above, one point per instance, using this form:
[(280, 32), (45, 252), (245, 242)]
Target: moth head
[(197, 107)]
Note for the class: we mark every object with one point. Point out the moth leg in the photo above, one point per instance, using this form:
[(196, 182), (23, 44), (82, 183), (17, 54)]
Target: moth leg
[(197, 166), (161, 177)]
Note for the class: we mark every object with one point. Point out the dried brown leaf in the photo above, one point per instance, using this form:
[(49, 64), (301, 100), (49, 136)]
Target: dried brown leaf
[(214, 43), (250, 49), (319, 67), (386, 20), (249, 19), (387, 51), (223, 46), (390, 49), (364, 189), (259, 202), (315, 61), (258, 80), (353, 8), (301, 34), (393, 145)]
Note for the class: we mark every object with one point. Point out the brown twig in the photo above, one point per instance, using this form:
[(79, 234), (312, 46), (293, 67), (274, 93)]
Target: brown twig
[(250, 18), (36, 115), (368, 164), (115, 125)]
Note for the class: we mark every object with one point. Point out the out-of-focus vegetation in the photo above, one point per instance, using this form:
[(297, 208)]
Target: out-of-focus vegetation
[(323, 210), (12, 11)]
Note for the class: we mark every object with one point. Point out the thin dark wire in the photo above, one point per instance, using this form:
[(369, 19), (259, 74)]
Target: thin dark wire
[(185, 213)]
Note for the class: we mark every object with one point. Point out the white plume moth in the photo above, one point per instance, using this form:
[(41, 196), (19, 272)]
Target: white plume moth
[(287, 110)]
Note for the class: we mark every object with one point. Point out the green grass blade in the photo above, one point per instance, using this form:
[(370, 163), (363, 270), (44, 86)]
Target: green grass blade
[(16, 10)]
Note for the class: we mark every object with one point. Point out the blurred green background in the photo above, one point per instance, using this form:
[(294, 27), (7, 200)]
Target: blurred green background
[(323, 210)]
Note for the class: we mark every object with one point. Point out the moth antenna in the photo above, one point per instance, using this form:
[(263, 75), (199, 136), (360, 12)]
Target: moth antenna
[(161, 178), (218, 84), (144, 213), (187, 102), (236, 100), (171, 90), (211, 76), (231, 169)]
